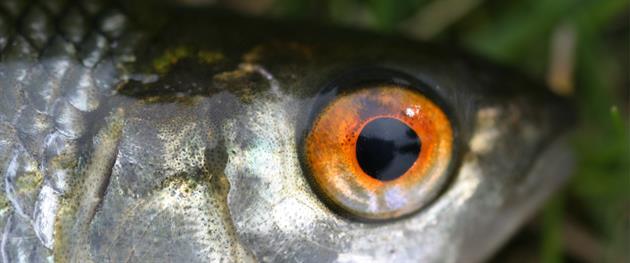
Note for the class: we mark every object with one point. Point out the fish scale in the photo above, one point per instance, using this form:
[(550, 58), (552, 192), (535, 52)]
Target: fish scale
[(49, 62)]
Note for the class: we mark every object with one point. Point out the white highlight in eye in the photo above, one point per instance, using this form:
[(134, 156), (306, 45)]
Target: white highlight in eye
[(410, 112), (413, 111)]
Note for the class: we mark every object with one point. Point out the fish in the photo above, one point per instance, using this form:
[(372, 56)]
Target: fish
[(144, 131)]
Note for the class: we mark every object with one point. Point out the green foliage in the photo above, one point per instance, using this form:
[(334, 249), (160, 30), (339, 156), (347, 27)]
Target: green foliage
[(388, 14), (551, 247)]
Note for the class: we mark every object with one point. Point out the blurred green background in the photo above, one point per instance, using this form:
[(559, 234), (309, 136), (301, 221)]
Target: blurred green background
[(581, 48)]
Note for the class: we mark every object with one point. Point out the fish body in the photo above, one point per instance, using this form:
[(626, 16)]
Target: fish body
[(132, 131)]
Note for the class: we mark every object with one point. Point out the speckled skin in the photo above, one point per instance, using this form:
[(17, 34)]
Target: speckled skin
[(132, 132)]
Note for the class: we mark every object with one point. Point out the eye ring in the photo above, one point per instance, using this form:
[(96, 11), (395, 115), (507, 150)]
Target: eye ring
[(348, 105)]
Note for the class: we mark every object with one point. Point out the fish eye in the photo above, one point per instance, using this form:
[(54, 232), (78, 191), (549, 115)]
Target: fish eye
[(379, 146)]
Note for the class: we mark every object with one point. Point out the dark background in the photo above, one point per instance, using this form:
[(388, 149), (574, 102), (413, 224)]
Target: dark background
[(581, 48)]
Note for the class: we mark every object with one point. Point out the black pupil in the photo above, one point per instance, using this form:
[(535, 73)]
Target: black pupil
[(387, 148)]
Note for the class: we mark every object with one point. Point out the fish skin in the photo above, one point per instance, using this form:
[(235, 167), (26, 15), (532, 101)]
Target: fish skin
[(137, 131), (50, 86)]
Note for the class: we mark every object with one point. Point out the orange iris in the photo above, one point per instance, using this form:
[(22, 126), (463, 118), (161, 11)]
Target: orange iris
[(331, 152)]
